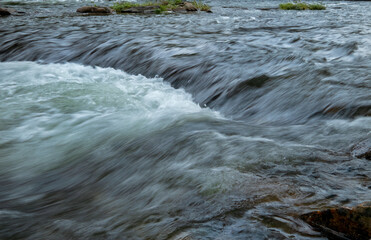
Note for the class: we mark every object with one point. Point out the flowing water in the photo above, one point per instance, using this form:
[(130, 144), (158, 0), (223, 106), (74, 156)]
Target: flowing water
[(226, 125)]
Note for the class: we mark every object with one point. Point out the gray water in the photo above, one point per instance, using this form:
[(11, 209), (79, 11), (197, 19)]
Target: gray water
[(226, 125)]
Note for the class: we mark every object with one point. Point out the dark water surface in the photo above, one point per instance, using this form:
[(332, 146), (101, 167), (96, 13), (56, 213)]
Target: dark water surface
[(213, 126)]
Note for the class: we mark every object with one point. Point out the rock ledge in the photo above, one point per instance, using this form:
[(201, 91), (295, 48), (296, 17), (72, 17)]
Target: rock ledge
[(343, 222)]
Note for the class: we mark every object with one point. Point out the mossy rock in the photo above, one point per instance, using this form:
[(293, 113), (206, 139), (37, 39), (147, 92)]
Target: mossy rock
[(160, 7), (301, 6), (94, 9)]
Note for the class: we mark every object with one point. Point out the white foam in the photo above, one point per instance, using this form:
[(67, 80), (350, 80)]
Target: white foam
[(50, 110)]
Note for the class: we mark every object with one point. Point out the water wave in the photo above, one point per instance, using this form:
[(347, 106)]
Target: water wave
[(61, 105)]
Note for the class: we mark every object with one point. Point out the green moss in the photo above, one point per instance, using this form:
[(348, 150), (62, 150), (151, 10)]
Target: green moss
[(201, 6), (175, 2), (165, 5), (120, 6), (301, 6), (317, 6)]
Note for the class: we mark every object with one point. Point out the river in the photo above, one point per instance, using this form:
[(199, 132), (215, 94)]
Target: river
[(223, 125)]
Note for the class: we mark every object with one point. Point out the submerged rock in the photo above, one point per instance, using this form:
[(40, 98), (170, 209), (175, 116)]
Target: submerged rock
[(268, 8), (342, 223), (362, 149), (90, 9), (348, 111)]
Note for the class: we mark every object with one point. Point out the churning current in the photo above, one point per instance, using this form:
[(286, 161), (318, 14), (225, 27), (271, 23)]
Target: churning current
[(223, 125)]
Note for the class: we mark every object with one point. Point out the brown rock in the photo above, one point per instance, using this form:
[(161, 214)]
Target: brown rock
[(342, 223), (179, 9), (10, 11), (90, 9), (362, 149), (189, 7), (5, 11)]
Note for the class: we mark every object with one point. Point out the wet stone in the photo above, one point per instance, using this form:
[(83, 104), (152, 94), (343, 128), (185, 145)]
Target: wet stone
[(4, 12), (362, 149), (10, 11), (7, 11), (343, 222)]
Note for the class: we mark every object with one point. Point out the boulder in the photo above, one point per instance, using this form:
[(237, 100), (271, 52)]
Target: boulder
[(362, 149), (90, 9), (189, 7), (6, 11), (10, 11), (343, 222)]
